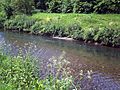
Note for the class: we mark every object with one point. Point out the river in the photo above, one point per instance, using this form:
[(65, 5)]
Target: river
[(103, 61)]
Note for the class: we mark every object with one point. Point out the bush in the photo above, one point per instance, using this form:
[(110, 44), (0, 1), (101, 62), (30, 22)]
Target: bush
[(53, 28), (72, 30), (89, 33), (79, 6), (21, 72), (2, 19), (35, 28), (42, 28), (50, 28), (19, 22), (22, 6), (107, 6), (85, 7), (108, 36), (17, 72), (13, 7)]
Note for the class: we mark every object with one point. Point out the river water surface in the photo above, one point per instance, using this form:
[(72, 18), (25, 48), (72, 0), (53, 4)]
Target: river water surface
[(103, 61)]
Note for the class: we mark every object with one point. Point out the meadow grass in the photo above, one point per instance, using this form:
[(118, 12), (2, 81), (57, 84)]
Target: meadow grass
[(85, 20)]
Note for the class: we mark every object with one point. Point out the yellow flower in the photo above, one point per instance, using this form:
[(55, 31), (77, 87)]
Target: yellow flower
[(111, 23), (47, 19)]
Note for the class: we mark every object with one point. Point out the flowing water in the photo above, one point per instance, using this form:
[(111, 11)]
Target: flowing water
[(104, 62)]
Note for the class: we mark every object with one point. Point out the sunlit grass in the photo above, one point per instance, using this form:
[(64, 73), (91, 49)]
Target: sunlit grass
[(85, 20)]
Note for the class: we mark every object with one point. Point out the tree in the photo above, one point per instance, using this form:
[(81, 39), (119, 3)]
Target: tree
[(5, 6), (107, 6), (79, 6), (40, 4), (11, 7), (23, 6)]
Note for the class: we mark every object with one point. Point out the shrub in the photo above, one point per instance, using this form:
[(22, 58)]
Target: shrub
[(17, 72), (2, 19), (107, 6), (5, 6), (85, 7), (108, 36), (22, 6), (79, 6), (50, 28), (73, 29), (21, 72), (59, 30), (35, 28), (89, 33), (58, 78), (52, 83), (116, 38), (42, 28), (19, 22)]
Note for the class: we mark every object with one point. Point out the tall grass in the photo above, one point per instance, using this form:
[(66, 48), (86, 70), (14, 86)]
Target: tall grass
[(85, 20)]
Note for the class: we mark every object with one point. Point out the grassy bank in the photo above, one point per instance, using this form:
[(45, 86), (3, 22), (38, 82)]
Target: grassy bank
[(103, 29), (85, 20)]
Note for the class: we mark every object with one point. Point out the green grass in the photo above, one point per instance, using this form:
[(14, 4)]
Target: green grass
[(85, 20)]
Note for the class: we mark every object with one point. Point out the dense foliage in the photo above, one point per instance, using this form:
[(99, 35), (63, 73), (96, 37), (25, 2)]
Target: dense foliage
[(2, 19), (78, 6), (22, 73), (19, 22), (23, 6), (90, 28), (13, 7), (60, 6)]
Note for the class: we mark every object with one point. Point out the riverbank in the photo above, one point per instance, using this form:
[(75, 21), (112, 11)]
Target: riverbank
[(90, 28)]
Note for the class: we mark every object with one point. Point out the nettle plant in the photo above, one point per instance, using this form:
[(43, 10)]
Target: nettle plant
[(56, 77), (108, 36), (17, 71), (22, 71)]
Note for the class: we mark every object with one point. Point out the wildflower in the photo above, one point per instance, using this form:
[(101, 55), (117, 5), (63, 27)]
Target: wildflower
[(47, 19), (81, 73), (49, 65), (76, 18), (19, 57), (89, 77), (111, 23), (89, 74)]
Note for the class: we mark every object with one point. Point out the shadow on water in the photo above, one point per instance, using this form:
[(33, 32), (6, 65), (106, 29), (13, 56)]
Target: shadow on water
[(103, 61)]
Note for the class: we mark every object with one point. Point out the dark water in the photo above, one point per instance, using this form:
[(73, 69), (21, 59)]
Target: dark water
[(103, 61)]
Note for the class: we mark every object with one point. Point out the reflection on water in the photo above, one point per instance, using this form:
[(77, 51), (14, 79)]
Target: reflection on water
[(103, 61)]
